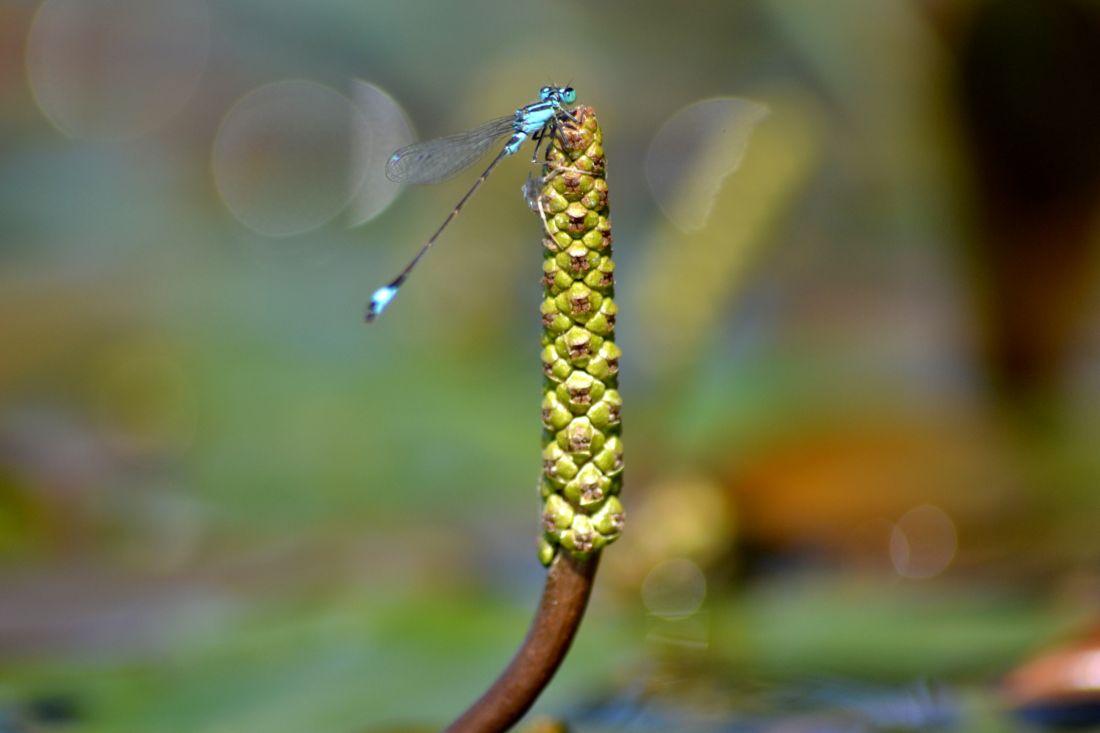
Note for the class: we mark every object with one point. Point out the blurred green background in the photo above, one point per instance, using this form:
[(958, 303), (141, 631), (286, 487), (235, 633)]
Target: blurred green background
[(857, 258)]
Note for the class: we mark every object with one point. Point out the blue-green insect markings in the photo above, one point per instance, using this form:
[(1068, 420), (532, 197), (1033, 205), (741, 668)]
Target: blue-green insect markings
[(437, 160)]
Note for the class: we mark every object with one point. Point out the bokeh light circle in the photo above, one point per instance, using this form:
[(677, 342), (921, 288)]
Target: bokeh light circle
[(386, 128), (923, 542), (282, 157), (113, 69), (674, 589), (693, 153)]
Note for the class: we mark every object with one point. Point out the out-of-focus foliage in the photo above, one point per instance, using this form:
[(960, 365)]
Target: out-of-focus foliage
[(863, 342)]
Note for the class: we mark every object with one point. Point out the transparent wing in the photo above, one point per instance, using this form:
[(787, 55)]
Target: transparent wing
[(437, 160)]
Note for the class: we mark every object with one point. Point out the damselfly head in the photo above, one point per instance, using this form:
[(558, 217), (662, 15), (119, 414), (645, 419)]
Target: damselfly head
[(561, 95)]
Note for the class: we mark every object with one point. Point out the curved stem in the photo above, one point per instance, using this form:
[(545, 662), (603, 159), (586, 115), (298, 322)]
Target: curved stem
[(564, 598)]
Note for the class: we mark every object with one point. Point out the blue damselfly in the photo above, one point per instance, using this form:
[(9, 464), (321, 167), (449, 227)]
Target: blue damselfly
[(437, 160)]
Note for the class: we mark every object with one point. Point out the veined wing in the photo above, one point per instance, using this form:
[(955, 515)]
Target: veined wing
[(437, 160)]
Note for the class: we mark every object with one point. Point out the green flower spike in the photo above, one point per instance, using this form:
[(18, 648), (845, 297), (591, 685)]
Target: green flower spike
[(582, 455)]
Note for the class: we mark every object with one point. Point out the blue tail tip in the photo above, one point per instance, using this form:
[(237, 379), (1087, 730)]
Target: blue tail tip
[(379, 301)]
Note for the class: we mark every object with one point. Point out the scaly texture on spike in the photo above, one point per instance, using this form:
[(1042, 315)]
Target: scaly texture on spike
[(582, 453)]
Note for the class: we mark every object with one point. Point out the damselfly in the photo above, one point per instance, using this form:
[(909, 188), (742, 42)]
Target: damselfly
[(437, 160)]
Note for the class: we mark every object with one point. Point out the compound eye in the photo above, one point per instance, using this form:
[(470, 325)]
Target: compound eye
[(546, 93), (569, 95)]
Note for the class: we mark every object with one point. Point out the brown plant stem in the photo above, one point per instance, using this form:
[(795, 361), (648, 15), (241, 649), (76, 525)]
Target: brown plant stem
[(564, 599)]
